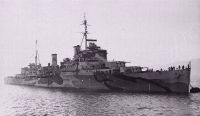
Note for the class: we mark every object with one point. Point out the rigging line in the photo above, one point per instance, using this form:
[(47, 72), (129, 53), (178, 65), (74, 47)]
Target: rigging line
[(31, 56)]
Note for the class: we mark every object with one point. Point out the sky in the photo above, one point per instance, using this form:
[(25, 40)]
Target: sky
[(144, 32)]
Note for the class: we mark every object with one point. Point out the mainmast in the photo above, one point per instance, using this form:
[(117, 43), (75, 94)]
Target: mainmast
[(86, 32), (36, 53)]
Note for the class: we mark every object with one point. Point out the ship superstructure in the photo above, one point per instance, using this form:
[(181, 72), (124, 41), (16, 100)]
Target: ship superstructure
[(28, 75), (89, 69)]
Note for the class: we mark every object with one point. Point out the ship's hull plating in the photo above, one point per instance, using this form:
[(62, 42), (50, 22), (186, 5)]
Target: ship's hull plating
[(161, 81)]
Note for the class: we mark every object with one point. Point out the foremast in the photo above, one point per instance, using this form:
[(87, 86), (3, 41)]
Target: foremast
[(85, 33), (37, 61)]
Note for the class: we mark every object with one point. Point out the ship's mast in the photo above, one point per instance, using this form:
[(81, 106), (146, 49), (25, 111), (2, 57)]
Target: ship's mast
[(86, 32), (36, 53)]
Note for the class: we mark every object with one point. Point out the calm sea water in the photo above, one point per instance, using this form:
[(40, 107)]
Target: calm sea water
[(22, 100)]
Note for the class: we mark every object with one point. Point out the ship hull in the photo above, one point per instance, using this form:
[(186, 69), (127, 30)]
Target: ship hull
[(18, 81), (176, 81)]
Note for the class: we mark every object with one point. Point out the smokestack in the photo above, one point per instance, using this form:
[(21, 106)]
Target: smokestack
[(54, 59), (76, 50)]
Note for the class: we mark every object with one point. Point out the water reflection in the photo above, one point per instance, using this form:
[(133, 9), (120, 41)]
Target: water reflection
[(22, 100)]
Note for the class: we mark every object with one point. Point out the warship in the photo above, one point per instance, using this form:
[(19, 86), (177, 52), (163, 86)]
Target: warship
[(89, 69)]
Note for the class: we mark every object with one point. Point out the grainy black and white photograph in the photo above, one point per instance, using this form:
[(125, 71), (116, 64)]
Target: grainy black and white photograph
[(99, 58)]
